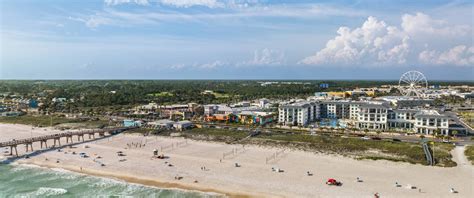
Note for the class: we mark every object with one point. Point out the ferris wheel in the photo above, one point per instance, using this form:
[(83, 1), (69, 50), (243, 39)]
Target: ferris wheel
[(413, 83)]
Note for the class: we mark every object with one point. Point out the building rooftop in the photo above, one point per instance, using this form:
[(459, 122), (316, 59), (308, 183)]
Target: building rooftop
[(429, 114)]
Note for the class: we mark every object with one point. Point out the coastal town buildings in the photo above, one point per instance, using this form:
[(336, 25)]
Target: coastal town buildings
[(371, 115), (258, 113)]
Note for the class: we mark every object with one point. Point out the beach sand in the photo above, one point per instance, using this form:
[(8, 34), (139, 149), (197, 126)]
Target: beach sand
[(254, 177)]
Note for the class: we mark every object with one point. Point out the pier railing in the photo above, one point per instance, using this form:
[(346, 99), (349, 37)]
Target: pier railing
[(60, 135)]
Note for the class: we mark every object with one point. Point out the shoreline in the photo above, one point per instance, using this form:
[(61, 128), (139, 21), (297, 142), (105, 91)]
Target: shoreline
[(141, 180)]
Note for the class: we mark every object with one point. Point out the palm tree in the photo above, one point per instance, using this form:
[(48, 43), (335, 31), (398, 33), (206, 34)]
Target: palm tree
[(422, 137), (454, 133), (436, 132)]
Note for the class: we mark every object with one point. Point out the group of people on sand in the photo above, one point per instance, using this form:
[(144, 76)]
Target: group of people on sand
[(135, 145), (377, 195)]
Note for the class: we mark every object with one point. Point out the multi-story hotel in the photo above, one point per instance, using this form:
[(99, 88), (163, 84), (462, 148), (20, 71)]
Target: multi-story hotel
[(300, 113), (372, 115)]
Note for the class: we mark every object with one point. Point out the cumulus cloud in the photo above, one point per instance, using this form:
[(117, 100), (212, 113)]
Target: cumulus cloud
[(265, 57), (376, 43), (422, 24), (460, 55)]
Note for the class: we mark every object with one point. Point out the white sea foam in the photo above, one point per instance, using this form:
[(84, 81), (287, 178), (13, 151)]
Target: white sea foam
[(21, 167), (43, 191), (107, 182), (65, 174), (61, 170)]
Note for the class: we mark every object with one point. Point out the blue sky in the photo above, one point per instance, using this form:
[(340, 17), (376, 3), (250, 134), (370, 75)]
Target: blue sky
[(237, 39)]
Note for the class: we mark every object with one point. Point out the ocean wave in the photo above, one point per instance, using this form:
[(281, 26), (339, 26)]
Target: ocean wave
[(104, 182), (44, 191), (65, 174), (22, 167)]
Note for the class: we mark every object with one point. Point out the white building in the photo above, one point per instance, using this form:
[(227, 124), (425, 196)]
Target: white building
[(430, 121), (402, 119), (300, 113), (182, 125), (373, 116)]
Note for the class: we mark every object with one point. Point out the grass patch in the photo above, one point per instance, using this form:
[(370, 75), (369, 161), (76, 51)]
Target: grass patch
[(356, 147), (388, 150), (469, 152), (211, 134), (139, 130), (220, 95), (468, 117)]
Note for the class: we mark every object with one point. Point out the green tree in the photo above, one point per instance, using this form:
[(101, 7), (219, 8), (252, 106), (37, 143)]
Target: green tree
[(454, 133)]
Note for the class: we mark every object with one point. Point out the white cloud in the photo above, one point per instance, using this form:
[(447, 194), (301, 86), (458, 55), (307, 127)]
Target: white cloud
[(377, 44), (177, 66), (212, 65), (93, 21), (234, 9), (422, 24), (460, 55), (265, 57), (190, 3), (118, 2)]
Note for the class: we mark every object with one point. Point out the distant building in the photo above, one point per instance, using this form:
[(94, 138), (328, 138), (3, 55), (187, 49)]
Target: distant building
[(132, 123), (321, 94), (324, 85), (165, 123), (11, 113), (182, 125), (402, 102)]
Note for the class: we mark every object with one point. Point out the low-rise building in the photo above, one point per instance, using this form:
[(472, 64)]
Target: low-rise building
[(182, 125), (163, 124)]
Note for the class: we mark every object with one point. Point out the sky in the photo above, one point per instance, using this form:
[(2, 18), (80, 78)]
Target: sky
[(236, 39)]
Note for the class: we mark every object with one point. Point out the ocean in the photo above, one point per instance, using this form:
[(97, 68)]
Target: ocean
[(33, 181)]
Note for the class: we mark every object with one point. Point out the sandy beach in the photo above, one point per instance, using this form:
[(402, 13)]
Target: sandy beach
[(201, 166)]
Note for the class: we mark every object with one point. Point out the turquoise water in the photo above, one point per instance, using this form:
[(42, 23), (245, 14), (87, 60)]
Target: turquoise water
[(33, 181)]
